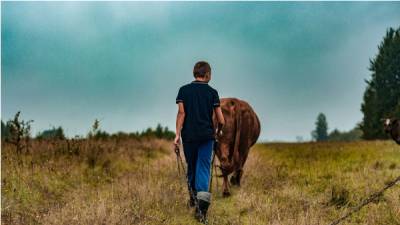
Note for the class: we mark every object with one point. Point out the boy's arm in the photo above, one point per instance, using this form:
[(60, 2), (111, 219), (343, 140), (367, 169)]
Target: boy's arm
[(180, 117), (220, 119)]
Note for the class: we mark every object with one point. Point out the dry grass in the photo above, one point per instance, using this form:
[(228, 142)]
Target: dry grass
[(315, 183), (136, 182)]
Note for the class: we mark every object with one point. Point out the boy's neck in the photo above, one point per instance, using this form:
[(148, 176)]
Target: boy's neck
[(201, 79)]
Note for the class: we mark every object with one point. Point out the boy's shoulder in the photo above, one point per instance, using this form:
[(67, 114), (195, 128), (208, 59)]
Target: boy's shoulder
[(184, 87), (213, 89)]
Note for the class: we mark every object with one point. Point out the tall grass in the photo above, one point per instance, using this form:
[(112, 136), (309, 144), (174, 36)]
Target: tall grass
[(44, 179)]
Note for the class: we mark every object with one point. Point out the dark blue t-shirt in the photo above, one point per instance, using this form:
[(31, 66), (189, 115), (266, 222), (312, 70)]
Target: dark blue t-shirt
[(199, 100)]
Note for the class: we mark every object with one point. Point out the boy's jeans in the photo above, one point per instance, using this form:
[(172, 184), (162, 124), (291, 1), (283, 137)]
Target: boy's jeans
[(198, 157)]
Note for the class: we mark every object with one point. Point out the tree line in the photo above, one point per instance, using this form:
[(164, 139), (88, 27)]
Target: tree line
[(321, 132), (19, 129)]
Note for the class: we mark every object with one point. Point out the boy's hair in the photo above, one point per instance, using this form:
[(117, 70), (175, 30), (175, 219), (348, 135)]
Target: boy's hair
[(201, 68)]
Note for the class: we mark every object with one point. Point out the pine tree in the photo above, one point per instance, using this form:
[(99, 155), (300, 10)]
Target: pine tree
[(321, 128), (382, 95)]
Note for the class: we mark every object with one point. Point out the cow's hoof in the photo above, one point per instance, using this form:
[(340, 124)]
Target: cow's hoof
[(226, 194)]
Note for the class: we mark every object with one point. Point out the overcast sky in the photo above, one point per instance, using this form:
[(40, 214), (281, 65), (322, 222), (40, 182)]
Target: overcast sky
[(67, 63)]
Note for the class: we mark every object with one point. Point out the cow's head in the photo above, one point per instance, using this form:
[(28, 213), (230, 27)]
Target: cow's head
[(387, 125), (226, 141), (224, 158)]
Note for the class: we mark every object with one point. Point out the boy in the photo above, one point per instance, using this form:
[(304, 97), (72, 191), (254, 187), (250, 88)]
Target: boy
[(196, 103)]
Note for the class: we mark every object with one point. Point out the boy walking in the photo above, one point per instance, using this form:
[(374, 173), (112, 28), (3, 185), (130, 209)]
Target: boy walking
[(196, 103)]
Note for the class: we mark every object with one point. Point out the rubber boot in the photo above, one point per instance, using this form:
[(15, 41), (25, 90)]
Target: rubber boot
[(203, 202), (203, 207)]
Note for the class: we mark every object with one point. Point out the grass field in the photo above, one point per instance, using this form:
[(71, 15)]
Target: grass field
[(136, 182)]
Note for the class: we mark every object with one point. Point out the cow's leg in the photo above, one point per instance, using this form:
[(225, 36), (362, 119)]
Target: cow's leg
[(235, 179), (225, 187), (237, 176)]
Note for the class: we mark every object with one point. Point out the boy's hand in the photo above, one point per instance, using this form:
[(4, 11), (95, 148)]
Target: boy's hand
[(218, 134), (177, 140), (218, 131)]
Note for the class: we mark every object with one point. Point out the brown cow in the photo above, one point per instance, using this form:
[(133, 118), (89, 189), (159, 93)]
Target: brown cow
[(240, 132)]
